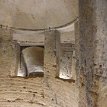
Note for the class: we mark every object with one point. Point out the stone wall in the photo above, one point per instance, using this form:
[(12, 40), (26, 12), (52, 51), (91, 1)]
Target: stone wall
[(46, 91), (93, 53)]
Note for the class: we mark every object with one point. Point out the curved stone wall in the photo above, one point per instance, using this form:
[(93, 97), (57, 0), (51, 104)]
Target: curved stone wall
[(46, 91)]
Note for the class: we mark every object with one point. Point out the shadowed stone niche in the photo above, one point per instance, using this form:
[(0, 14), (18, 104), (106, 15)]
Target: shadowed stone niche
[(30, 63), (65, 61)]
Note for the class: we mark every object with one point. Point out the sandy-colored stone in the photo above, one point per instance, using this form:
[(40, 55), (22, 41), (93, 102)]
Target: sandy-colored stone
[(46, 91), (93, 52)]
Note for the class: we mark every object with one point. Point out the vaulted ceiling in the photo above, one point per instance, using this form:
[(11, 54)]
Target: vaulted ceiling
[(37, 14)]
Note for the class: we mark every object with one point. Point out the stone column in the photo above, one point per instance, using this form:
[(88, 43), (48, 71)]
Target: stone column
[(50, 72), (93, 53), (49, 52), (7, 52), (49, 63)]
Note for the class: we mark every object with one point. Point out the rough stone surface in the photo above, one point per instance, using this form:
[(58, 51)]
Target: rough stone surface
[(34, 59), (93, 52), (89, 88), (46, 91), (37, 14)]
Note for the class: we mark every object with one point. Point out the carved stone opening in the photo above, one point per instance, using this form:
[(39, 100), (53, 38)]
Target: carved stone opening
[(64, 61), (31, 61)]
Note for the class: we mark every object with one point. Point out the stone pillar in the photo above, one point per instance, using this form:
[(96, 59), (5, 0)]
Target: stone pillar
[(49, 53), (15, 59), (49, 63), (93, 53), (101, 51), (77, 50), (7, 52)]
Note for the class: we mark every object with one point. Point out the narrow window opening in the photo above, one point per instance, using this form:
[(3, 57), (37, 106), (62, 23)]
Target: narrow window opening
[(31, 61), (65, 61)]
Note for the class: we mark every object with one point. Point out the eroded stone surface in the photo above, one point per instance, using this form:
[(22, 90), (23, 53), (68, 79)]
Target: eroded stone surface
[(37, 14), (93, 49), (46, 91)]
